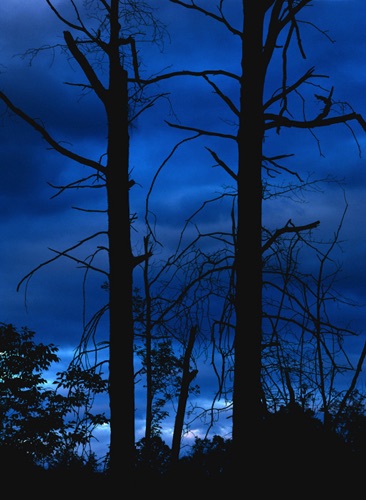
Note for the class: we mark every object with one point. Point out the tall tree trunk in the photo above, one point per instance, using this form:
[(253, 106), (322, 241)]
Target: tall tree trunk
[(247, 371), (121, 367), (148, 345), (187, 378)]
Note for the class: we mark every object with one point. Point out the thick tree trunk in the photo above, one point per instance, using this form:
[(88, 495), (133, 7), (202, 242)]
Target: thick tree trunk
[(121, 367), (247, 372)]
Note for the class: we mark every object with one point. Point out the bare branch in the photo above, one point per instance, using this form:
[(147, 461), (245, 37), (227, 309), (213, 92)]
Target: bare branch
[(86, 67), (75, 259), (63, 19), (207, 13), (290, 88), (77, 185), (222, 164), (54, 144), (281, 121), (202, 132), (60, 254), (166, 76), (289, 228), (224, 97)]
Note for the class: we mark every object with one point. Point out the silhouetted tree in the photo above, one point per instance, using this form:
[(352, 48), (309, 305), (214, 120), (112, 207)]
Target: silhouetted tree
[(303, 354), (268, 27), (108, 29), (30, 419), (172, 331), (162, 365), (168, 374), (36, 421), (188, 376)]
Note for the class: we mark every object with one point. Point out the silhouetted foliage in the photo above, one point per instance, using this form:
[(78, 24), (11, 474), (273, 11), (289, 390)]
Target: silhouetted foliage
[(295, 443), (14, 460), (352, 425), (38, 425), (298, 453), (152, 460), (31, 414), (208, 457)]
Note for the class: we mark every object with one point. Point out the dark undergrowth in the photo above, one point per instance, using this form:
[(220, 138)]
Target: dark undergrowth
[(294, 456)]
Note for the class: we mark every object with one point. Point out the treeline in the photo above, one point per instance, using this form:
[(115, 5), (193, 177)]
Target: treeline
[(46, 433)]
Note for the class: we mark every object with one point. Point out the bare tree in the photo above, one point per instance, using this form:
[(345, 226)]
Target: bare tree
[(105, 30), (304, 353), (263, 28)]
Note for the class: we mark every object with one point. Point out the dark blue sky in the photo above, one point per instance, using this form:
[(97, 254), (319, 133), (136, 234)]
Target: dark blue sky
[(31, 222)]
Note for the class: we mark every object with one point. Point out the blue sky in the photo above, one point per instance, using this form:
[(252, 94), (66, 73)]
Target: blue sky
[(32, 222)]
